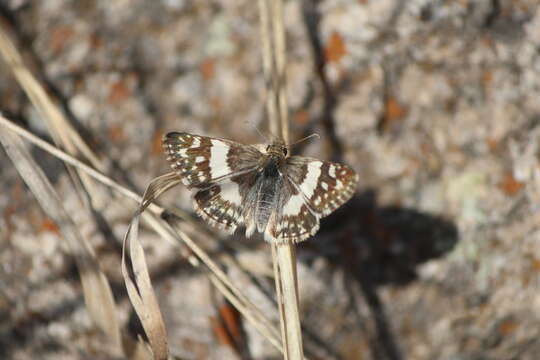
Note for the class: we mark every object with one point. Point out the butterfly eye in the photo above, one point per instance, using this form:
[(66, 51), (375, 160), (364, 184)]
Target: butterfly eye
[(285, 151)]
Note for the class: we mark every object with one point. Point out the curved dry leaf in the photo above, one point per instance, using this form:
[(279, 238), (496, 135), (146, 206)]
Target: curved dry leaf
[(169, 228), (135, 272), (140, 291)]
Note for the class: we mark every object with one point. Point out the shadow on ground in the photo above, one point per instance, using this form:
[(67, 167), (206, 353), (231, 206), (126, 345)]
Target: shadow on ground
[(380, 246), (385, 244)]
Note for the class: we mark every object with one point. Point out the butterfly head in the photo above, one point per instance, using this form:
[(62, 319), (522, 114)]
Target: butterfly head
[(277, 149)]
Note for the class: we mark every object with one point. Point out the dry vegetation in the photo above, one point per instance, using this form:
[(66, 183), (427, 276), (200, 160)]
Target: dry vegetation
[(435, 103)]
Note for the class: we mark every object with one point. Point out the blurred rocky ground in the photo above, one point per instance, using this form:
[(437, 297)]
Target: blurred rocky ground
[(436, 104)]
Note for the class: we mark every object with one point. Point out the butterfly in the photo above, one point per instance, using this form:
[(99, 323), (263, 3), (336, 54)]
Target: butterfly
[(259, 186)]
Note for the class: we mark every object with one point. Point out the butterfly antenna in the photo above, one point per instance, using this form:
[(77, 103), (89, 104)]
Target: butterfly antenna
[(306, 138), (258, 131)]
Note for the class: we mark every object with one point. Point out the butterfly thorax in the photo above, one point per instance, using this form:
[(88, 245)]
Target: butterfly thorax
[(273, 160)]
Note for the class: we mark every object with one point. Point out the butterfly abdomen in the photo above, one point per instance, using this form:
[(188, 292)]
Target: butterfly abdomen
[(269, 184)]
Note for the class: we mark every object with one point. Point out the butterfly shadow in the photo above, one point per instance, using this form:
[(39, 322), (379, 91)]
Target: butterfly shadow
[(376, 246)]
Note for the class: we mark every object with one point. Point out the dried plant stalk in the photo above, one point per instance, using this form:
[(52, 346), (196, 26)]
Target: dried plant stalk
[(51, 149), (63, 133), (59, 128), (140, 290), (227, 288), (97, 292), (139, 286), (283, 255), (175, 236)]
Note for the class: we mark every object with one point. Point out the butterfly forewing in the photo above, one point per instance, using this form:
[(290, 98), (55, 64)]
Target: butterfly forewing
[(201, 161), (209, 166), (325, 185)]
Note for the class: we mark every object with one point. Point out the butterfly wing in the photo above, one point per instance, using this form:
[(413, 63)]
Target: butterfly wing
[(313, 189), (201, 161), (325, 185), (225, 177), (293, 221), (214, 168), (220, 205)]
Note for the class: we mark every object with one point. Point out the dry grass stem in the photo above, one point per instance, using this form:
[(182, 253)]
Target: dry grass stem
[(105, 180), (60, 129), (156, 188), (139, 282), (288, 300), (97, 292), (281, 68), (268, 66), (283, 255), (229, 290)]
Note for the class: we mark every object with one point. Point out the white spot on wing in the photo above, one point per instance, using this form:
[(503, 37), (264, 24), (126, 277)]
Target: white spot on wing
[(200, 159), (231, 192), (196, 143), (261, 147), (250, 229), (311, 181), (268, 237), (332, 171), (218, 159), (293, 206)]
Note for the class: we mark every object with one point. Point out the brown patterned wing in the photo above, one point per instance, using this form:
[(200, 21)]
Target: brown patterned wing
[(325, 185), (220, 205), (294, 221), (212, 167), (201, 161), (311, 190)]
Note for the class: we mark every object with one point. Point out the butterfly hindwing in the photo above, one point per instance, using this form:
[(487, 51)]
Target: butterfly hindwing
[(220, 205), (201, 161), (294, 220), (312, 189)]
